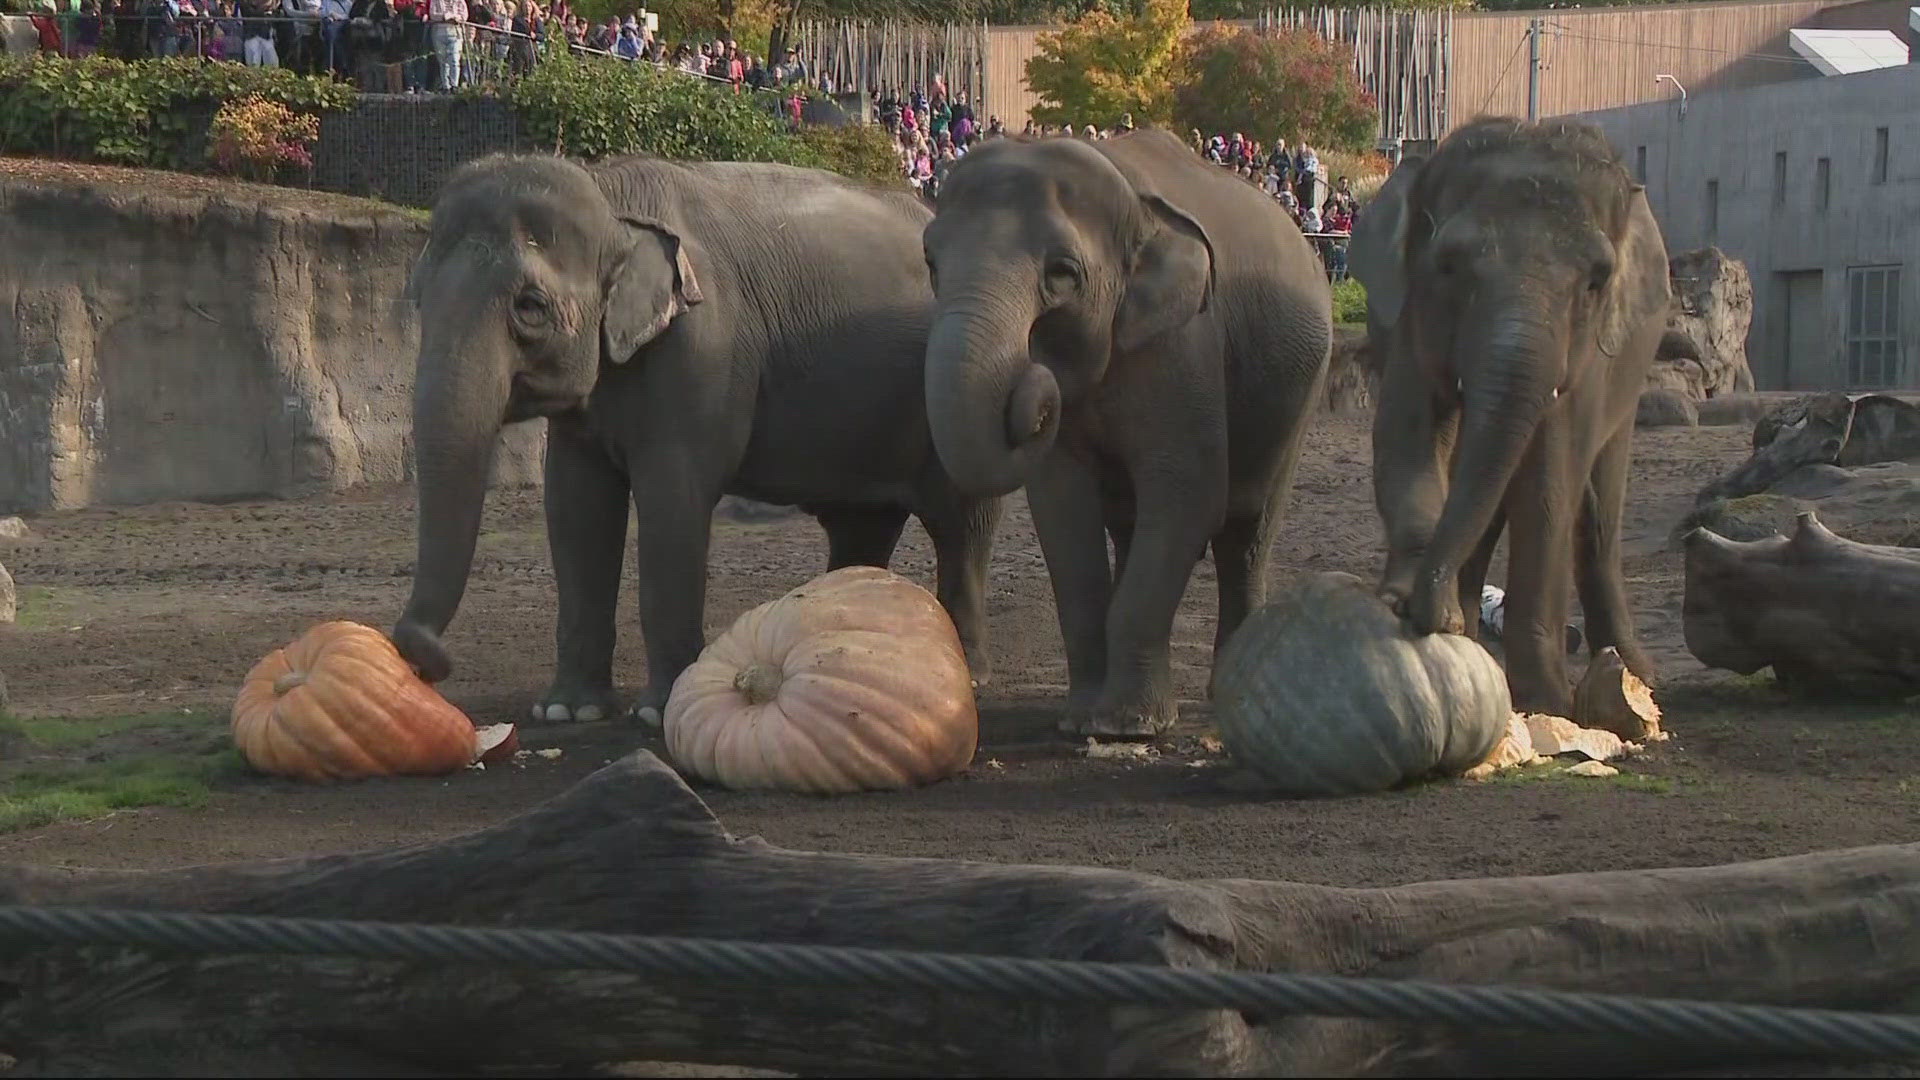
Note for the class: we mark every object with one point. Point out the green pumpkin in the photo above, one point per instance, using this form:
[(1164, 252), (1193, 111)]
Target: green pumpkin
[(1324, 691)]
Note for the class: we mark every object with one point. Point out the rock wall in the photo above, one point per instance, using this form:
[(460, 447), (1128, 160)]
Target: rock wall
[(190, 339), (1704, 352)]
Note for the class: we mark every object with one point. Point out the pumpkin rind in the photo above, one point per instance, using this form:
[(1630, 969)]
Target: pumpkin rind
[(872, 692), (340, 703), (1325, 691)]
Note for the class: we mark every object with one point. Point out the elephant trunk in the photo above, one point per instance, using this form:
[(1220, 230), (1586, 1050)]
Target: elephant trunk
[(1508, 388), (992, 411), (456, 421)]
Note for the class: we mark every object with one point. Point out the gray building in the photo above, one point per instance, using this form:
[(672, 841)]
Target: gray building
[(1814, 184)]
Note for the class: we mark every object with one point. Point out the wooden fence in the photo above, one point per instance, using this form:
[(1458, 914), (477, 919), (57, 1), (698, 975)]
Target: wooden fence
[(1400, 56), (871, 57)]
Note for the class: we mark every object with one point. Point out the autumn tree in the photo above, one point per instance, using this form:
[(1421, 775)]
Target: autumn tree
[(1101, 66), (1272, 86)]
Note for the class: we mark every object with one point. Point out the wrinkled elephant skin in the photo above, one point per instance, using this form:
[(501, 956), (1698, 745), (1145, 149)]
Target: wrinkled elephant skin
[(1517, 282), (690, 331), (1138, 338)]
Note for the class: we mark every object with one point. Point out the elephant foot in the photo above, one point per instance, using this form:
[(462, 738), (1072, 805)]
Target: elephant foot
[(1436, 610), (1531, 697), (649, 709), (567, 700), (1139, 720), (981, 671)]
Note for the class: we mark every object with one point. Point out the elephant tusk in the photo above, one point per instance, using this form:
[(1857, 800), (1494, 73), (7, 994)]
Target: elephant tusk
[(1556, 393)]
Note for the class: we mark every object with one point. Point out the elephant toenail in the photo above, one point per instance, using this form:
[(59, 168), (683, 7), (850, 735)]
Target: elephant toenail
[(557, 711)]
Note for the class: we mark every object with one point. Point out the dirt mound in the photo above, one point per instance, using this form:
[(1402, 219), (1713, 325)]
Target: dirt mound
[(167, 337)]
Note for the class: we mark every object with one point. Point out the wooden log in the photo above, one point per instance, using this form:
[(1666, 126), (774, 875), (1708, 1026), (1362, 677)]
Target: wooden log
[(631, 849), (1828, 614)]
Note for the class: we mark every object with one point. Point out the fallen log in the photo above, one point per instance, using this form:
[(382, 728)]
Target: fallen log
[(631, 849), (1828, 614)]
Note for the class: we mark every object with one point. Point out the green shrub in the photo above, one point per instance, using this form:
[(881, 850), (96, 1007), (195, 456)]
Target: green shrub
[(141, 114), (864, 152), (1349, 301)]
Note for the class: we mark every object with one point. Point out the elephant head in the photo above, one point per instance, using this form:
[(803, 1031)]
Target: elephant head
[(530, 284), (1047, 262), (1502, 270)]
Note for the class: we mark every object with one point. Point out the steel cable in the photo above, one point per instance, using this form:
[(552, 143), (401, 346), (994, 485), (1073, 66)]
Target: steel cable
[(1805, 1032)]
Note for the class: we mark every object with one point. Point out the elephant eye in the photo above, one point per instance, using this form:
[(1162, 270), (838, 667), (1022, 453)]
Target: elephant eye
[(1601, 273), (530, 306), (1063, 274)]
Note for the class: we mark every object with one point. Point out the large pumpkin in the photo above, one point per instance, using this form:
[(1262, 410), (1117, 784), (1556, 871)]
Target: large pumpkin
[(853, 681), (1324, 691), (341, 703)]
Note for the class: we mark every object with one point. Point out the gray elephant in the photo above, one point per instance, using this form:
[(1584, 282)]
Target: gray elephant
[(690, 330), (1519, 282), (1138, 337)]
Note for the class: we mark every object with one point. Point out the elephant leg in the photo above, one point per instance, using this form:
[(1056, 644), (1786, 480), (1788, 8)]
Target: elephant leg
[(1064, 495), (1473, 572), (1545, 496), (1240, 556), (1603, 588), (1118, 514), (1413, 435), (586, 504), (675, 510), (1170, 534), (963, 551), (861, 535)]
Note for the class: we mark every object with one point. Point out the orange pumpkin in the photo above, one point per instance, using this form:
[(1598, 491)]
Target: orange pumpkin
[(341, 703), (853, 681)]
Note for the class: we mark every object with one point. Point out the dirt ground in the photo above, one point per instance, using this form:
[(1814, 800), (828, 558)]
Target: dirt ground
[(151, 610)]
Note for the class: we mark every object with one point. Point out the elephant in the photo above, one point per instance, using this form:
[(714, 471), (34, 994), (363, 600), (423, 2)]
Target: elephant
[(1138, 338), (1518, 281), (689, 330)]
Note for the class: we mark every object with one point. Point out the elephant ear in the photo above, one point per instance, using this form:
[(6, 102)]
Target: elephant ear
[(1171, 277), (1639, 290), (651, 284), (1376, 255), (411, 293)]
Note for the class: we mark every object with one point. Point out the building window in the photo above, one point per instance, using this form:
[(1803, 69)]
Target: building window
[(1822, 183), (1879, 155), (1640, 164), (1780, 178), (1713, 209), (1873, 327)]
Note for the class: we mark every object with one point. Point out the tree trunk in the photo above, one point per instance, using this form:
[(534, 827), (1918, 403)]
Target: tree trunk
[(1829, 614), (631, 849)]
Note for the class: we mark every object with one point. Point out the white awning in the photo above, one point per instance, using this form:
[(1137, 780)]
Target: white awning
[(1843, 52)]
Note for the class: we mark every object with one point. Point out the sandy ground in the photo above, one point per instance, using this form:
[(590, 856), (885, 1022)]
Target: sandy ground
[(163, 607)]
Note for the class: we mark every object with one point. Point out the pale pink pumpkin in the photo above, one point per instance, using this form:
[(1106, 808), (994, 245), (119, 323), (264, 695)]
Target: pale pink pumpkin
[(854, 681)]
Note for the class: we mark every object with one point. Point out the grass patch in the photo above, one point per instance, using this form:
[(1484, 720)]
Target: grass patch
[(68, 769), (38, 607)]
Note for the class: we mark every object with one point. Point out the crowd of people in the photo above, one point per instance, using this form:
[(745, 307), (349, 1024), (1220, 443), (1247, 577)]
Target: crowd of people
[(427, 44), (931, 131)]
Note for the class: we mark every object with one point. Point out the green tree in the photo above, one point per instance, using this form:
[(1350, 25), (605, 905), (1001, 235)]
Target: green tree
[(1101, 66), (1287, 85)]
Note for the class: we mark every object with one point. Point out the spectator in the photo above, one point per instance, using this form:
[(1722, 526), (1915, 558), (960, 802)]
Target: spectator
[(627, 46), (444, 19), (162, 24), (1125, 125), (87, 29), (258, 47), (995, 129)]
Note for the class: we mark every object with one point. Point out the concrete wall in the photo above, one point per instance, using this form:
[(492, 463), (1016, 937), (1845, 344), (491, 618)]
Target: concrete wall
[(165, 337), (1730, 140)]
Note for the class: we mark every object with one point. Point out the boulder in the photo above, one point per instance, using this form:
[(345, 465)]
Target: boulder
[(8, 599), (1663, 407), (12, 528), (1353, 373), (1704, 351)]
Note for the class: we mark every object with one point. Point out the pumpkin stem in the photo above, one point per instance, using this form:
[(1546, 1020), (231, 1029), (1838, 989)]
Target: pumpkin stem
[(759, 682), (288, 681)]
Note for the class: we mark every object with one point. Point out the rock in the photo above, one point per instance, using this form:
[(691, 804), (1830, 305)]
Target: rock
[(1749, 517), (1663, 407), (1704, 352), (12, 528), (1353, 372), (1729, 409), (1556, 735), (7, 598)]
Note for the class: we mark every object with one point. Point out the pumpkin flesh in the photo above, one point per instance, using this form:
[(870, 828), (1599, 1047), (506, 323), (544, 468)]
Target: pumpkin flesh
[(340, 703), (855, 681)]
